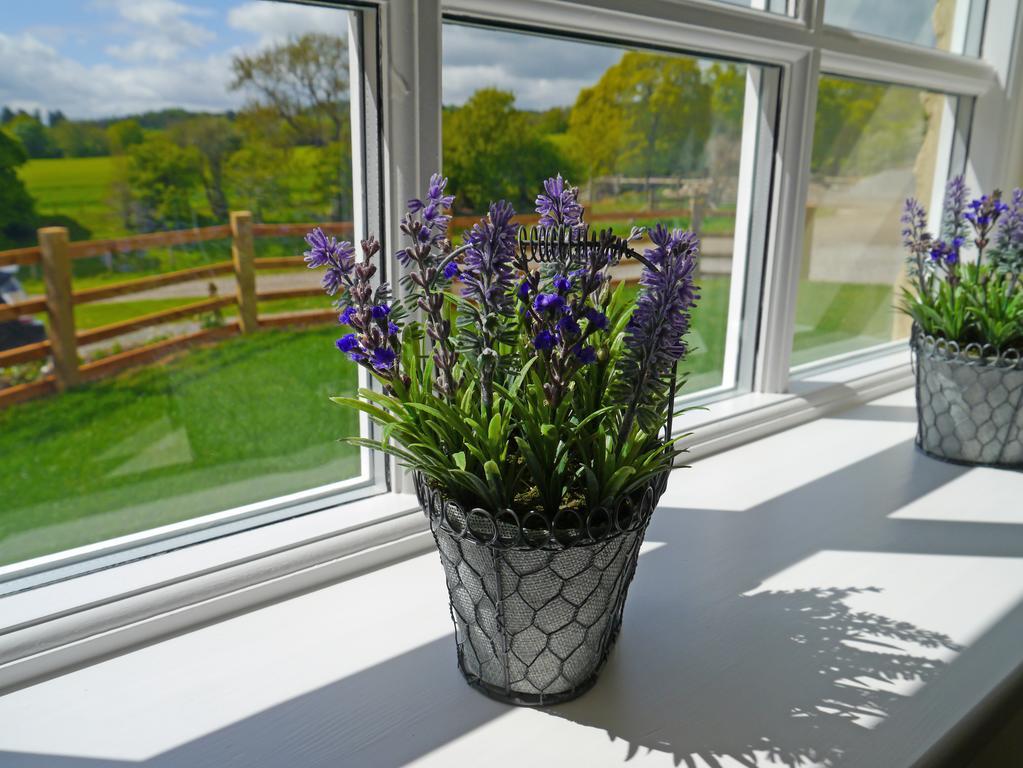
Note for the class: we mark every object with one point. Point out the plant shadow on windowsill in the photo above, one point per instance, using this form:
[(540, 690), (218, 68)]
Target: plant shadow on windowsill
[(822, 675)]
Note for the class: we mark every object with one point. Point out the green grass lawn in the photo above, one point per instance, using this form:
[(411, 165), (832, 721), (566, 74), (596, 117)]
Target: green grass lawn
[(217, 427), (248, 419)]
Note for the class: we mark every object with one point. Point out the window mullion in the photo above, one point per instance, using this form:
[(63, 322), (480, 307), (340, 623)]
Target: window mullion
[(411, 86), (785, 249)]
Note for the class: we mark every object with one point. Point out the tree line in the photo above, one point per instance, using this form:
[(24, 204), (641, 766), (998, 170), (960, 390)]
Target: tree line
[(648, 115)]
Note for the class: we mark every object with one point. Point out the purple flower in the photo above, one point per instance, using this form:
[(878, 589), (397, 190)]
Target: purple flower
[(558, 204), (546, 301), (451, 270), (915, 236), (356, 357), (955, 205), (567, 324), (383, 358), (596, 318), (392, 329), (661, 317), (348, 343), (435, 222), (487, 266), (324, 250), (562, 284), (587, 355), (345, 318), (523, 291), (1007, 253), (381, 311), (545, 340)]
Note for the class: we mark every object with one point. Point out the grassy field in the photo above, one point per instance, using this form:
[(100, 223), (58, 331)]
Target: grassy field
[(155, 446), (216, 427)]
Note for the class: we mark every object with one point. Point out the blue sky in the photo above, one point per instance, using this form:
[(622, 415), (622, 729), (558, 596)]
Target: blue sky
[(101, 58), (97, 58)]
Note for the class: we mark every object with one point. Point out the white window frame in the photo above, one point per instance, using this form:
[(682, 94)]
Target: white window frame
[(46, 629)]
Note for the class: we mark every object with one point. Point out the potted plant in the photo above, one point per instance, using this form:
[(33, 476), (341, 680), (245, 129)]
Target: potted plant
[(532, 403), (967, 338)]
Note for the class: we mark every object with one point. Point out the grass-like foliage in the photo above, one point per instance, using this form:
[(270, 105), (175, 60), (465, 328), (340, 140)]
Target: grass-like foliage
[(508, 383), (966, 284)]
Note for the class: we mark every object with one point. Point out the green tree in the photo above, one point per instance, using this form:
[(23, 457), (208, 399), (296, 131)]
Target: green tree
[(34, 136), (492, 151), (216, 139), (162, 177), (304, 81), (862, 128), (648, 115), (596, 129), (124, 134), (80, 139), (17, 210)]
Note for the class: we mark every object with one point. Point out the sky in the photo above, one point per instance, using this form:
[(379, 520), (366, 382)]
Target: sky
[(103, 58), (100, 58)]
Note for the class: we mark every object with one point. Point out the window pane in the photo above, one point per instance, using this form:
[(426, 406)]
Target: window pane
[(136, 120), (948, 25), (774, 6), (647, 137), (874, 146)]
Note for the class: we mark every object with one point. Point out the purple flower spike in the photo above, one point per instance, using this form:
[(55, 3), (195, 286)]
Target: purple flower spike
[(587, 355), (383, 358), (567, 324), (347, 343), (559, 204), (597, 319), (545, 340), (546, 301)]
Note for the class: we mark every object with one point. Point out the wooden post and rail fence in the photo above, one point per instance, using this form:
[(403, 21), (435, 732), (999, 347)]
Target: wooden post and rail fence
[(55, 254)]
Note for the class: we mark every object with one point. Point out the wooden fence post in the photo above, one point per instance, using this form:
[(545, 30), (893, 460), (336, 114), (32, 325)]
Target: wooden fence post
[(242, 252), (56, 260)]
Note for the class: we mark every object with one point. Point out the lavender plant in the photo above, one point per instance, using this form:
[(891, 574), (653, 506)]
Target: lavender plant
[(521, 387), (966, 283)]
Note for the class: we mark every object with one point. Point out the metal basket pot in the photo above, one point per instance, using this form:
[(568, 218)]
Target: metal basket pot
[(968, 401), (537, 606)]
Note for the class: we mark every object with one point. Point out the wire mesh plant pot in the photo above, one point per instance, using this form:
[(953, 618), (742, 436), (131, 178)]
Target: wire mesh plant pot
[(968, 402), (537, 608)]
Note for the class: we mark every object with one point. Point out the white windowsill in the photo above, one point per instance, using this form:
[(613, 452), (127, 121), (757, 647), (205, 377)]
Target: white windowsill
[(49, 629), (827, 594)]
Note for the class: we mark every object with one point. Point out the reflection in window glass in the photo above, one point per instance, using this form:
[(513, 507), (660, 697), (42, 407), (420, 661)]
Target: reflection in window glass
[(127, 123), (874, 146), (647, 137), (948, 25)]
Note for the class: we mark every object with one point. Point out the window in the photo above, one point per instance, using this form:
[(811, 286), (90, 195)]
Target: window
[(169, 408), (166, 140), (647, 136), (874, 145), (948, 25)]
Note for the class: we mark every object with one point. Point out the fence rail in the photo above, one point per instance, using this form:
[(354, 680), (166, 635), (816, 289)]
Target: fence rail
[(55, 252)]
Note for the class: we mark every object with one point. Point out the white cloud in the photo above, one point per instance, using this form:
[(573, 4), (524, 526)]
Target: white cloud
[(276, 22), (34, 75), (541, 71), (160, 29)]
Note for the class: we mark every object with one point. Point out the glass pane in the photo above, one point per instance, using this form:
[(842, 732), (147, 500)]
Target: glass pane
[(948, 25), (647, 137), (773, 6), (874, 146), (125, 119)]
